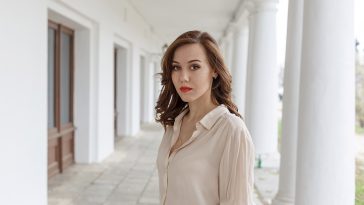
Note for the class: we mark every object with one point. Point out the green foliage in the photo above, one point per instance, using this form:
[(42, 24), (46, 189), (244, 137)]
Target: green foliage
[(359, 130), (359, 194), (359, 98)]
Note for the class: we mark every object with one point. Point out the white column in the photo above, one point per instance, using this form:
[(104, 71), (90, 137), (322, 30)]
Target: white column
[(123, 81), (239, 64), (228, 50), (149, 92), (325, 152), (287, 172), (157, 82), (133, 95), (23, 104), (262, 77)]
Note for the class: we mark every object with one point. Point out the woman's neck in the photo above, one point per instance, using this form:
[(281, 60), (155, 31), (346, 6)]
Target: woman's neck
[(199, 108)]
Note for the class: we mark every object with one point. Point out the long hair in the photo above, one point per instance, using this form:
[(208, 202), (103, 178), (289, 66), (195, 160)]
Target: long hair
[(169, 104)]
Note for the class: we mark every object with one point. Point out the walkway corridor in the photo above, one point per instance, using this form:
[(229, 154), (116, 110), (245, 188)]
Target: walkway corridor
[(127, 177)]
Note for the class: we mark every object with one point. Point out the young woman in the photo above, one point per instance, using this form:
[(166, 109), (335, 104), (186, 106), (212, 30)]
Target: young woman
[(206, 156)]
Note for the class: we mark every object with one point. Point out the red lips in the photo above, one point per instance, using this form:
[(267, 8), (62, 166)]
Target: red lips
[(185, 89)]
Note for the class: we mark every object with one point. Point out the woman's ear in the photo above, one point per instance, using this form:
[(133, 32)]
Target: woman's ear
[(214, 75)]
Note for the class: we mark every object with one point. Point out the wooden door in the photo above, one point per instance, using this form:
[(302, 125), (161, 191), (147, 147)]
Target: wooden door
[(60, 98)]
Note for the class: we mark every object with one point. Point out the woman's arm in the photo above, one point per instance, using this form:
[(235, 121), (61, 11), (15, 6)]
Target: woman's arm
[(236, 174)]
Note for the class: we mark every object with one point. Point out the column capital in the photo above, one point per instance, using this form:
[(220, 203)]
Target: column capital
[(240, 25), (254, 6)]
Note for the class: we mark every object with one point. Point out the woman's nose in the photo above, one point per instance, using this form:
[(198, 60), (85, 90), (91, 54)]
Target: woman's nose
[(184, 75)]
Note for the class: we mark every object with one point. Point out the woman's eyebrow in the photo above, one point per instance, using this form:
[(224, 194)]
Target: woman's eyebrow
[(194, 61), (188, 61)]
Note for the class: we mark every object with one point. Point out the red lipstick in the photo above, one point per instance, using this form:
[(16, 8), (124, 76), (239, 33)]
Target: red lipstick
[(185, 89)]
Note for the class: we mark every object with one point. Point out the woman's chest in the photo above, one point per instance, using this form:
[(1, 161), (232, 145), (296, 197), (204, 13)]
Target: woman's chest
[(201, 155)]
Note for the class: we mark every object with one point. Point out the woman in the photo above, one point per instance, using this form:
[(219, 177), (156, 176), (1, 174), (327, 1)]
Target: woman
[(206, 156)]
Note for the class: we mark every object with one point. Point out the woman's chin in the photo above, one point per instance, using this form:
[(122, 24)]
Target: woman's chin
[(191, 97), (187, 99)]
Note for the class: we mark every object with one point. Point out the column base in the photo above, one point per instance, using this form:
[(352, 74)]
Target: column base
[(282, 201)]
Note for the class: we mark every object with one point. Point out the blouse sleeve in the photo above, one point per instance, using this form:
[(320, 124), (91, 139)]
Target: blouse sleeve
[(236, 172)]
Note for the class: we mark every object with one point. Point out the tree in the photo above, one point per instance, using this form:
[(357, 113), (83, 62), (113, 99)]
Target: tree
[(359, 86)]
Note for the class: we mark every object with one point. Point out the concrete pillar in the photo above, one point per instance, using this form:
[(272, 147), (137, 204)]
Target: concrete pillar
[(133, 94), (149, 92), (287, 172), (23, 110), (325, 152), (239, 64), (229, 50), (122, 92), (157, 82), (262, 77)]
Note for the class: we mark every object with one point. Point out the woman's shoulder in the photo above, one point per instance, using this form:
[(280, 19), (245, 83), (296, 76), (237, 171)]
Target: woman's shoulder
[(235, 125), (233, 121)]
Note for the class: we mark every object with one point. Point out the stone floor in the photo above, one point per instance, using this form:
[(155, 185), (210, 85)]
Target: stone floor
[(126, 177), (267, 178)]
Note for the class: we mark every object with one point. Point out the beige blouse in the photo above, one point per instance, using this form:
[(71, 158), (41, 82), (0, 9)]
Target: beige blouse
[(214, 167)]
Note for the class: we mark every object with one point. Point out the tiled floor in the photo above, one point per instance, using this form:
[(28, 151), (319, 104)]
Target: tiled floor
[(127, 177)]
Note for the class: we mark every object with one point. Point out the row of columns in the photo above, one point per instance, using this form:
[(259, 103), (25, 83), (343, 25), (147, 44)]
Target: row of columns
[(317, 158)]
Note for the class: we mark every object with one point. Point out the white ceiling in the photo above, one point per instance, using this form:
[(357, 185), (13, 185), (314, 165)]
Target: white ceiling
[(170, 18)]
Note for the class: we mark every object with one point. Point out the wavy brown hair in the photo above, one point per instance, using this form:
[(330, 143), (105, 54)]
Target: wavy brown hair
[(169, 104)]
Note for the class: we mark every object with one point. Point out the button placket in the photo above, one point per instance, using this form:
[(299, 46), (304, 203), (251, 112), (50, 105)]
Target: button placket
[(171, 157)]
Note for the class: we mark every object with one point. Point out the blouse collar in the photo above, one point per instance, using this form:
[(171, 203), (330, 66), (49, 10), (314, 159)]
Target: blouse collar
[(208, 120)]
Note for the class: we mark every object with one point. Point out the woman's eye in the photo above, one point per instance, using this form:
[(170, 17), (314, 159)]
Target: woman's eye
[(174, 67), (195, 67)]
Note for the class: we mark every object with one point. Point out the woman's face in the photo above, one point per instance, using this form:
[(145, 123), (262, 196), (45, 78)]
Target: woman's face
[(192, 74)]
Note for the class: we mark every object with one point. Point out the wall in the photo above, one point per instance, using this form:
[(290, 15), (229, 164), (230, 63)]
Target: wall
[(23, 85), (105, 22)]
